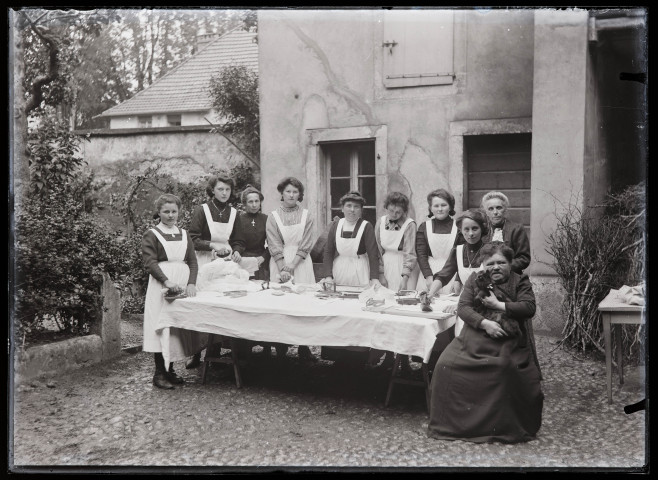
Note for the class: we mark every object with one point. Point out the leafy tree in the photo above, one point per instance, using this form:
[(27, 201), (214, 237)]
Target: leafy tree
[(234, 92)]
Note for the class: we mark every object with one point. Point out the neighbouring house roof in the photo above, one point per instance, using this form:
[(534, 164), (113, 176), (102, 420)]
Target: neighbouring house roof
[(185, 88)]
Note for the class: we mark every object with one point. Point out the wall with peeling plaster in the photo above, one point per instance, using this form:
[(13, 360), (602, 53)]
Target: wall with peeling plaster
[(186, 154), (323, 70)]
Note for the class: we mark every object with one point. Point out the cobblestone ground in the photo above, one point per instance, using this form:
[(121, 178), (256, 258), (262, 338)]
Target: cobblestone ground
[(295, 416)]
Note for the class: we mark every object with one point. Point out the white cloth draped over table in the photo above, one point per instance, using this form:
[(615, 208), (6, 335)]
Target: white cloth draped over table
[(296, 319), (440, 246), (464, 273), (178, 344), (350, 268), (292, 237), (393, 258), (219, 233)]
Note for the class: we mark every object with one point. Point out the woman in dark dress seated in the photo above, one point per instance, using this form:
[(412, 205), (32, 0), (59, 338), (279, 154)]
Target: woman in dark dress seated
[(486, 384)]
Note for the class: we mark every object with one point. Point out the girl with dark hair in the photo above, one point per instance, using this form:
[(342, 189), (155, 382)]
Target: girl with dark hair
[(289, 231), (289, 236), (168, 255), (436, 238), (213, 226), (463, 259), (214, 229), (486, 384)]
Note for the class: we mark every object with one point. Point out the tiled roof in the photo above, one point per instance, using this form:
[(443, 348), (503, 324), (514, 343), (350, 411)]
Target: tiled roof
[(185, 88)]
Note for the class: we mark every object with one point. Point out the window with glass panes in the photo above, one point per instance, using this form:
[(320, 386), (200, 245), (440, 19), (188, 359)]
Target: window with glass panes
[(351, 166)]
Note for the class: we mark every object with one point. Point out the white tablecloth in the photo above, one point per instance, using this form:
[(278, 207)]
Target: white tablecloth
[(303, 319)]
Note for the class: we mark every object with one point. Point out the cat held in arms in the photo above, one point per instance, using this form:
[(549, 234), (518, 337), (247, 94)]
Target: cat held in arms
[(485, 286)]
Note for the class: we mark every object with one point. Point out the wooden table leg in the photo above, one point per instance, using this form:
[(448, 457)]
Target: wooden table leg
[(608, 353), (426, 379), (620, 353), (236, 366), (205, 364), (396, 364)]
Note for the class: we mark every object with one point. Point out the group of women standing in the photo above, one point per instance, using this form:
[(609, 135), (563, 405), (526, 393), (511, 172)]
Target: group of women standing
[(440, 256)]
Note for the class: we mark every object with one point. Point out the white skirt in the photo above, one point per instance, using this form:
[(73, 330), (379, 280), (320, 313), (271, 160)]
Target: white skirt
[(303, 273), (177, 343), (352, 271)]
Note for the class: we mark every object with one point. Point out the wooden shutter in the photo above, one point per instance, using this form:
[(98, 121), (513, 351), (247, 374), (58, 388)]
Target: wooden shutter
[(418, 47)]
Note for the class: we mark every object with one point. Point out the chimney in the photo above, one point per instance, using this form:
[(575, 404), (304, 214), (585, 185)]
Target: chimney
[(204, 39)]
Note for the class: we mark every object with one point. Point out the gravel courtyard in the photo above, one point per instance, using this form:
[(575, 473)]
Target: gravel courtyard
[(295, 416)]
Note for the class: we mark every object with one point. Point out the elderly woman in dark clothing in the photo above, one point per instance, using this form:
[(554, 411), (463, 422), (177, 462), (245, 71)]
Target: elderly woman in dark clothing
[(501, 229), (486, 384)]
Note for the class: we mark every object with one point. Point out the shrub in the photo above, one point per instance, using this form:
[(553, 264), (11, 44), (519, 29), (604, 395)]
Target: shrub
[(61, 247), (62, 252), (594, 252)]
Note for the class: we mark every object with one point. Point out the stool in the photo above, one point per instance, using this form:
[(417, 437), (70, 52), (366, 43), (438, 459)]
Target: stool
[(425, 382), (232, 360), (443, 339)]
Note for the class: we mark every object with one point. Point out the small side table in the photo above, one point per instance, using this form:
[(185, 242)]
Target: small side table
[(615, 312)]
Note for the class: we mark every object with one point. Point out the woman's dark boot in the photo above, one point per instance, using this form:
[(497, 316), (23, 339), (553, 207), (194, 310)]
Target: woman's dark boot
[(173, 378), (281, 350), (160, 378), (305, 354), (195, 361)]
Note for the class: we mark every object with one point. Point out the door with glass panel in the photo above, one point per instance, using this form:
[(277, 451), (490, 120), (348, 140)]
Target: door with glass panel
[(350, 166)]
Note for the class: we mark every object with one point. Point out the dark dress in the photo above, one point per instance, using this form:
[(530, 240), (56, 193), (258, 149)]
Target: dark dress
[(484, 389), (252, 226)]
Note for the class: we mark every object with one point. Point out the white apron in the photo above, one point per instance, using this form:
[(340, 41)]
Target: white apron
[(350, 268), (174, 343), (393, 258), (219, 232), (440, 246), (292, 236), (464, 273)]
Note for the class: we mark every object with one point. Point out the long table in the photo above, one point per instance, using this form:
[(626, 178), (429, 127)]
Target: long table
[(304, 319)]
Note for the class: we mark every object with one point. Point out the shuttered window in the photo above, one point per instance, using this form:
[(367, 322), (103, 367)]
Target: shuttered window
[(501, 163), (418, 47)]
